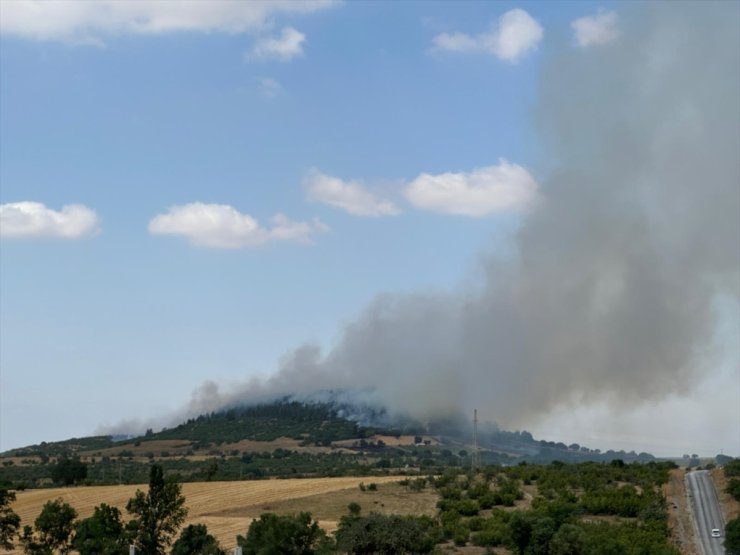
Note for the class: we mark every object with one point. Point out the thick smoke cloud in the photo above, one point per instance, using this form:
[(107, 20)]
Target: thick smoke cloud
[(610, 293)]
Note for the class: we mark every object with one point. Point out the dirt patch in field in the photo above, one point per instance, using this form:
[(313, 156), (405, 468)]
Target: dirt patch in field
[(287, 443), (390, 441), (184, 448), (175, 447)]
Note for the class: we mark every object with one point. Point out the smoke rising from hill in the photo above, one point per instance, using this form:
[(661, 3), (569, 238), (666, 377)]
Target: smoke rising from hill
[(610, 293)]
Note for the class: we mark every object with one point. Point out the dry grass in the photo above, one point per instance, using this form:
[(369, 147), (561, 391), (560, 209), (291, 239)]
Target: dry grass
[(391, 441), (210, 502), (328, 508), (184, 448)]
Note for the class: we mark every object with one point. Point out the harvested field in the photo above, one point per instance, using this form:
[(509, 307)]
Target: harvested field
[(328, 508), (208, 502)]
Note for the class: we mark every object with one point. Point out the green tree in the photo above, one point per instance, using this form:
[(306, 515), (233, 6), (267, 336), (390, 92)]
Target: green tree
[(195, 540), (733, 488), (31, 545), (101, 534), (521, 531), (387, 534), (732, 468), (568, 540), (158, 514), (283, 535), (53, 527), (732, 537), (69, 471), (354, 509), (10, 522), (543, 529)]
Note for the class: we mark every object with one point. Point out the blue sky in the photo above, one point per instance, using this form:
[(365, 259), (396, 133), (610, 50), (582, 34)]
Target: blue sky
[(398, 144)]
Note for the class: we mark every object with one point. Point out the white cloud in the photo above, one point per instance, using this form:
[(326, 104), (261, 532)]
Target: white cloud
[(269, 87), (484, 191), (509, 39), (349, 196), (88, 21), (596, 29), (33, 219), (283, 48), (222, 226)]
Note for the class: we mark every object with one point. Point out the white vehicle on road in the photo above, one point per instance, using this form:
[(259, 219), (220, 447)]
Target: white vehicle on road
[(715, 533)]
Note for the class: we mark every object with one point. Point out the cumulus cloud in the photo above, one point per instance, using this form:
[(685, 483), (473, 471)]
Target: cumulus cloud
[(511, 37), (33, 219), (484, 191), (350, 196), (285, 47), (88, 22), (222, 226), (596, 29)]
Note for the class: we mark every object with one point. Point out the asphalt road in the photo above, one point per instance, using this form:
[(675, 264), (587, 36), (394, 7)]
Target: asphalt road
[(706, 511)]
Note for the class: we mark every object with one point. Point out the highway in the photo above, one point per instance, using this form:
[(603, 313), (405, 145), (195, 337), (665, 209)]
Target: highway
[(706, 512)]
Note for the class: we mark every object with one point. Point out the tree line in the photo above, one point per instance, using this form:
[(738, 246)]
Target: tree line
[(565, 517)]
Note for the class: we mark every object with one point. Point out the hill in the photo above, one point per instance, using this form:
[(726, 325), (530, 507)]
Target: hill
[(285, 438)]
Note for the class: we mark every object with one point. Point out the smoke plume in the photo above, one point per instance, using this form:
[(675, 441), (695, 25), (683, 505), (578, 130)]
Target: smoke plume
[(609, 295)]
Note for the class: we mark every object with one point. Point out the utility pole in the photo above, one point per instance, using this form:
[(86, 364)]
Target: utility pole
[(475, 456)]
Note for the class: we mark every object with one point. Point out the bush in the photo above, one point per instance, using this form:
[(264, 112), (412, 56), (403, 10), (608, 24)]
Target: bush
[(732, 537), (9, 520), (283, 535), (196, 539), (733, 488), (487, 538), (387, 534), (102, 533), (732, 468)]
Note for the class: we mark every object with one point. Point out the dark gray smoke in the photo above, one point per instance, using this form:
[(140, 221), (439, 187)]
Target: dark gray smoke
[(610, 294)]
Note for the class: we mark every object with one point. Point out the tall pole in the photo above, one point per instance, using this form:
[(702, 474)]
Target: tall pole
[(475, 458)]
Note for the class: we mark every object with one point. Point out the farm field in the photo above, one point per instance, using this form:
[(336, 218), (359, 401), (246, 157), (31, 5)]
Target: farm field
[(227, 508)]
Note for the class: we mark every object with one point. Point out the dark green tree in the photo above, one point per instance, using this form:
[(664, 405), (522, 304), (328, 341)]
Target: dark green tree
[(543, 529), (68, 471), (101, 534), (354, 509), (568, 540), (732, 468), (733, 488), (157, 514), (10, 522), (387, 534), (31, 545), (283, 535), (521, 531), (53, 529), (732, 537), (195, 540)]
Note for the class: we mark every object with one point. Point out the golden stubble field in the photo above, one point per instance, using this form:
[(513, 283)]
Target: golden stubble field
[(227, 508)]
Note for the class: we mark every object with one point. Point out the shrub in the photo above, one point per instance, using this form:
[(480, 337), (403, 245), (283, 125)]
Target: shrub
[(196, 539), (284, 535), (387, 534)]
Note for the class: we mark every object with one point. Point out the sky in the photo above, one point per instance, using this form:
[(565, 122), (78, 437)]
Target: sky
[(529, 208)]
